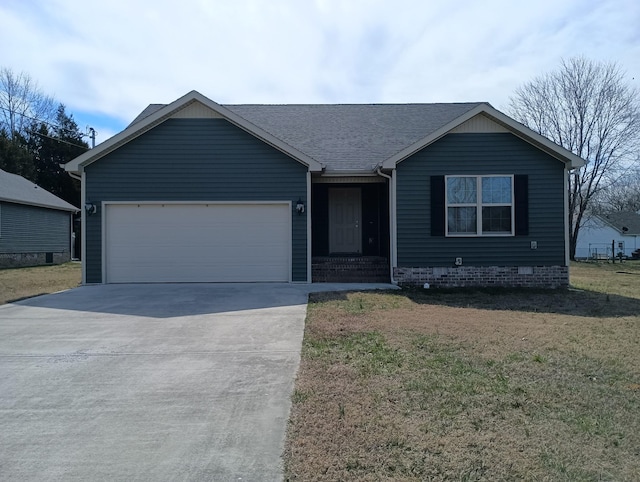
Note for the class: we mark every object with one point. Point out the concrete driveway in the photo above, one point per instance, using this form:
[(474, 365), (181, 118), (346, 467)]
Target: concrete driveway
[(150, 382)]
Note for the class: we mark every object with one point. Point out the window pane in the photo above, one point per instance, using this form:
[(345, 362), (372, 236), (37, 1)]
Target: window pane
[(496, 219), (461, 190), (461, 220), (496, 190)]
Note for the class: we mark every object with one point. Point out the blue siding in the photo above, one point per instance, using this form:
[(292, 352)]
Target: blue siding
[(31, 229), (481, 154), (195, 160)]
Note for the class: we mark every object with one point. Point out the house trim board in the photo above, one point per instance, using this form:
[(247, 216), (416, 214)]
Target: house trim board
[(83, 227), (567, 250), (308, 215), (393, 222)]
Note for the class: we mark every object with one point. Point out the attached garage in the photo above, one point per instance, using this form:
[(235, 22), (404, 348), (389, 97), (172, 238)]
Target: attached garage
[(197, 242)]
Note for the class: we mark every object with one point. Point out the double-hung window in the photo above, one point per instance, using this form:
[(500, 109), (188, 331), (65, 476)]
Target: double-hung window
[(479, 205)]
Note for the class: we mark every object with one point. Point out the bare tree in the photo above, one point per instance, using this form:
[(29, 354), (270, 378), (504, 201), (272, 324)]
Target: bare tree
[(589, 109), (22, 102), (624, 196)]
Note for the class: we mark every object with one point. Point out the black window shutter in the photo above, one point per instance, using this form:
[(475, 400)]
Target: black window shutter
[(437, 206), (521, 190)]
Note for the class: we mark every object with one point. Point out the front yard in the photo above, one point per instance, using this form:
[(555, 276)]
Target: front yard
[(472, 385), (458, 385), (20, 283)]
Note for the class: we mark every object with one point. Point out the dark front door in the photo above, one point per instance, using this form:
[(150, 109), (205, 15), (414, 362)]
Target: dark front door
[(345, 220)]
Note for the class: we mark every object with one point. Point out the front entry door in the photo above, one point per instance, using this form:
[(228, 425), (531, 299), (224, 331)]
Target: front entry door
[(345, 224)]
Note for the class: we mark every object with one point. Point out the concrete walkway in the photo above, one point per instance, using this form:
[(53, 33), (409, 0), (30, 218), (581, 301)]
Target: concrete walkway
[(150, 382)]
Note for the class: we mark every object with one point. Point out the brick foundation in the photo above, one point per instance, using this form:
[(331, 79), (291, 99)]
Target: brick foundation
[(355, 269), (20, 260), (485, 276)]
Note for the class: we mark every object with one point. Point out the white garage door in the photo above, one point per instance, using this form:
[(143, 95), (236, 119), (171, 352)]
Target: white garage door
[(146, 243)]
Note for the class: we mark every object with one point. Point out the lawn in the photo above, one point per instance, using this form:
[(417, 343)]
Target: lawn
[(20, 283), (472, 385)]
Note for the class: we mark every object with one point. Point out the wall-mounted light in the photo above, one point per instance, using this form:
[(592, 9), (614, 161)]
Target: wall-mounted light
[(90, 208), (299, 206)]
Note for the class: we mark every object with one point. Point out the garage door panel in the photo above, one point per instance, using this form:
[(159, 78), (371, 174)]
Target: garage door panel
[(197, 242)]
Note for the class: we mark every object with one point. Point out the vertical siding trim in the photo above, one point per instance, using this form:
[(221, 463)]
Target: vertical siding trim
[(393, 222), (521, 204), (566, 217), (103, 242), (83, 227), (71, 253), (308, 214), (438, 207), (290, 219)]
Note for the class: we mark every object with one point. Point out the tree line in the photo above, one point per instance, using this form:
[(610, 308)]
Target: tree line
[(37, 136)]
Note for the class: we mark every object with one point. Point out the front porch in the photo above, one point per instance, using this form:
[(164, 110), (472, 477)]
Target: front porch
[(350, 230)]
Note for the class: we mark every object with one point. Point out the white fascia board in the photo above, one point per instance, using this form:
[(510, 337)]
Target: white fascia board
[(349, 173), (569, 158), (77, 165)]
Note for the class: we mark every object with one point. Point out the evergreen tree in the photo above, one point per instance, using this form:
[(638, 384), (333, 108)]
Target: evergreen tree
[(51, 148), (14, 157)]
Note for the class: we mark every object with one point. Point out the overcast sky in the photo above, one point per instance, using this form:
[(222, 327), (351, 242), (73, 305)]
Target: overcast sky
[(108, 60)]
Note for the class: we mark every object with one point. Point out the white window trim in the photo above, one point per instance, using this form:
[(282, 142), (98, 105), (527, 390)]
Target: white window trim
[(478, 205)]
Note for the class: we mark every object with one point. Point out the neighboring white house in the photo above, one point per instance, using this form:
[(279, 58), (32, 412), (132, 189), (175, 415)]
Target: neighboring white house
[(600, 232)]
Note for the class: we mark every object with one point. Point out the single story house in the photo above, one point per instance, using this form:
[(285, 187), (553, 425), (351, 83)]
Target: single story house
[(604, 235), (35, 225), (452, 194)]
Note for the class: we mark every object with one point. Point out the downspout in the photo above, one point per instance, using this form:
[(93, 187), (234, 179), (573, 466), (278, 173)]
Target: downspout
[(83, 224), (567, 226), (392, 217)]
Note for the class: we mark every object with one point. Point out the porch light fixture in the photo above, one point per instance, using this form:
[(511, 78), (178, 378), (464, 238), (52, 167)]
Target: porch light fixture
[(299, 206), (90, 208)]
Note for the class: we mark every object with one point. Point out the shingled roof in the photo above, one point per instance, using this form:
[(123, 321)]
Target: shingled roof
[(346, 137), (351, 136), (17, 189), (623, 219), (342, 138)]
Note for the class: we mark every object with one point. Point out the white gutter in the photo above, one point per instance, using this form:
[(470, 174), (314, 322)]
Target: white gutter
[(309, 233), (567, 226), (83, 224), (392, 219)]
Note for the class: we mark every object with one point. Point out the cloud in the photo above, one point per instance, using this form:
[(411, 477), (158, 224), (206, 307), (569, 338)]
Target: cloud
[(110, 59)]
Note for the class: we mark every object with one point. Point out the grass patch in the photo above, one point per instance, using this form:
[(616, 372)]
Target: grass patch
[(20, 283), (472, 385)]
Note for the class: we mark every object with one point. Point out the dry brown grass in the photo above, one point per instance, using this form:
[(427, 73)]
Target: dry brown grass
[(472, 385), (20, 283)]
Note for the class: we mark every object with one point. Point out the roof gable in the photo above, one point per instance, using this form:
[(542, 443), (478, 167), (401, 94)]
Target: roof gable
[(17, 189), (190, 105), (489, 115)]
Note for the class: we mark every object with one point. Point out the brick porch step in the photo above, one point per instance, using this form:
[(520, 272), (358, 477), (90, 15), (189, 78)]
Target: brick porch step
[(350, 269)]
